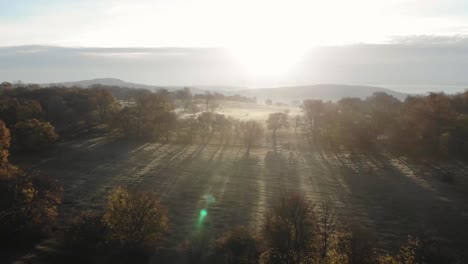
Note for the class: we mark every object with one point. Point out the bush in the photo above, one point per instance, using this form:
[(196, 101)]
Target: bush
[(126, 232), (236, 246), (34, 135), (28, 206), (351, 247), (420, 251), (134, 219), (4, 144), (274, 256), (86, 233), (289, 225)]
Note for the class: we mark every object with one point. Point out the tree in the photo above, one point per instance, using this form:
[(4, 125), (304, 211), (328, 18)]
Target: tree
[(236, 246), (141, 98), (185, 95), (4, 144), (297, 122), (5, 86), (206, 121), (29, 204), (289, 225), (213, 106), (106, 104), (313, 110), (252, 132), (384, 110), (13, 110), (277, 121), (208, 100), (34, 135), (194, 109), (134, 219)]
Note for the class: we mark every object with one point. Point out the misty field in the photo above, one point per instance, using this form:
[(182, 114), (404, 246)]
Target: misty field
[(388, 195)]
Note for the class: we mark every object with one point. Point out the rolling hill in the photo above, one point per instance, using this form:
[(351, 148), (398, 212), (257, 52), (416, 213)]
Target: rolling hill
[(320, 91), (119, 83), (282, 94)]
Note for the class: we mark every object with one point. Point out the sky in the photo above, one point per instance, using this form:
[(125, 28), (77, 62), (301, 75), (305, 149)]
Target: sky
[(225, 23), (263, 39)]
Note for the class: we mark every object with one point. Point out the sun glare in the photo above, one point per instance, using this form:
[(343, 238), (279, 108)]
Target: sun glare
[(265, 61)]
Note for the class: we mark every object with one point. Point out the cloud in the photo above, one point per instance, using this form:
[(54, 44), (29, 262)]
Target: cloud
[(224, 23), (457, 40)]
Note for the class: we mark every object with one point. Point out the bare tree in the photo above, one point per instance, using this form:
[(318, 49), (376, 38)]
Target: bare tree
[(313, 110), (327, 227), (289, 226), (297, 122), (252, 132), (277, 121)]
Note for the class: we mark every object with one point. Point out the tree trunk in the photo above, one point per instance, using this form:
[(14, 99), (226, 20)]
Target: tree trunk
[(274, 140)]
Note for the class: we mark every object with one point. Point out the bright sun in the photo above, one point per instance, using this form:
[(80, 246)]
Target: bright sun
[(267, 60)]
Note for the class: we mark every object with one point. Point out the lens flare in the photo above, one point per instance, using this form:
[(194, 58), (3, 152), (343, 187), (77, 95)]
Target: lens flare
[(203, 214)]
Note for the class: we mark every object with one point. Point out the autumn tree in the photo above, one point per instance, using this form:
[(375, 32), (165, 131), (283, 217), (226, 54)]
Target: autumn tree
[(34, 135), (29, 201), (237, 245), (106, 105), (134, 219), (4, 144)]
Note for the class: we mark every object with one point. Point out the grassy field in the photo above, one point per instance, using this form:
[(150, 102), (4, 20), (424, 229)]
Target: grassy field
[(388, 195)]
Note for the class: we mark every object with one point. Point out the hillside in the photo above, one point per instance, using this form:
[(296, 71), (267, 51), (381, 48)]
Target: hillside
[(283, 94), (319, 91), (120, 83), (105, 81)]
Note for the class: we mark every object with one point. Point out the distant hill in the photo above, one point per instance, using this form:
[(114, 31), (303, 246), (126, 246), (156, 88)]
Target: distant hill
[(320, 91), (105, 81), (120, 83), (283, 94)]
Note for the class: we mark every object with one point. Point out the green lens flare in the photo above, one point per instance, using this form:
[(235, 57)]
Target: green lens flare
[(203, 213)]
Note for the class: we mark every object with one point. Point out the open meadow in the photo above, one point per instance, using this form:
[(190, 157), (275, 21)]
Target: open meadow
[(210, 187)]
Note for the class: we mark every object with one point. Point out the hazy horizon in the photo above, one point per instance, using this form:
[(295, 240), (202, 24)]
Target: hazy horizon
[(415, 65)]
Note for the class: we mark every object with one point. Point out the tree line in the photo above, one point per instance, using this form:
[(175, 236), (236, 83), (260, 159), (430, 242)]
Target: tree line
[(37, 117), (436, 124)]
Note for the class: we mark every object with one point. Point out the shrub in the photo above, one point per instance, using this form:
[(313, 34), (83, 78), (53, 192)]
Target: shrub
[(34, 135), (275, 256), (85, 234), (420, 251), (351, 247), (28, 206), (4, 144), (289, 225), (134, 219), (236, 246)]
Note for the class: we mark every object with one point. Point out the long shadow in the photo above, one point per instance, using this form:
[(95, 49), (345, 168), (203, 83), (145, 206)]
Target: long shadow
[(122, 171), (197, 187), (397, 204)]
